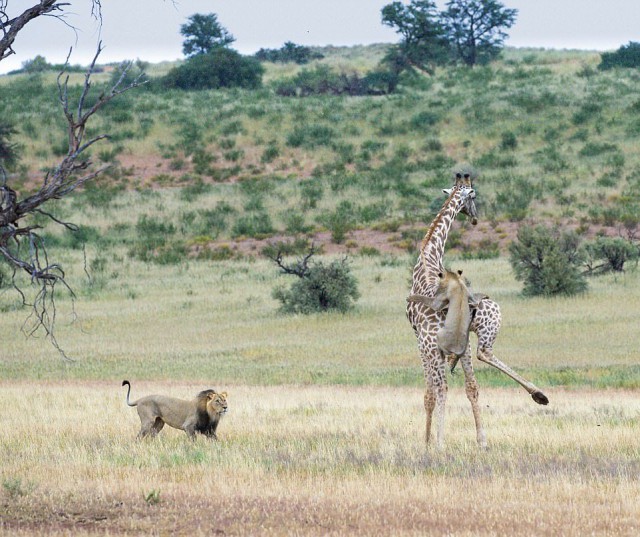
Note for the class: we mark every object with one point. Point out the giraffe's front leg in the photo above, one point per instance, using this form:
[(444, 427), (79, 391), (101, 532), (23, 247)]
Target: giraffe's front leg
[(429, 405), (438, 379), (432, 395)]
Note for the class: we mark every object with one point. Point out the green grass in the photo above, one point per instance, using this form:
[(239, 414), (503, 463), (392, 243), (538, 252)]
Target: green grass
[(218, 319)]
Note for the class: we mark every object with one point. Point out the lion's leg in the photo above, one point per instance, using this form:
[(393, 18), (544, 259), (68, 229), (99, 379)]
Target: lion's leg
[(190, 429), (210, 432), (157, 426), (150, 422), (147, 429)]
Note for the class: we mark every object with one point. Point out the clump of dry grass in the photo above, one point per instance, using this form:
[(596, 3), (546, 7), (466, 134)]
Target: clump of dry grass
[(319, 460)]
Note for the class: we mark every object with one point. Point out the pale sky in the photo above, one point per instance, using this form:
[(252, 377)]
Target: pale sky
[(150, 29)]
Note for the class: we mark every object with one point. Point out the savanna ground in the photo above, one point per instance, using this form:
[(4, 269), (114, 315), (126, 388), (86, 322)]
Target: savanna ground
[(325, 429), (326, 426)]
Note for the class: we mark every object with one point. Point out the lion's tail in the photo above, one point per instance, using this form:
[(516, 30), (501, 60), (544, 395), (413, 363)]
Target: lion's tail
[(128, 384)]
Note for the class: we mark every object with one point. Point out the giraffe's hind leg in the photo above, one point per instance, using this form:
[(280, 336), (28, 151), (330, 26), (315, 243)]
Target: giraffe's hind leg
[(486, 355), (471, 389), (486, 325)]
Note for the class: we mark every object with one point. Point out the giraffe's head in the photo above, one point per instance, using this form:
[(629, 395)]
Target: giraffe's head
[(467, 196)]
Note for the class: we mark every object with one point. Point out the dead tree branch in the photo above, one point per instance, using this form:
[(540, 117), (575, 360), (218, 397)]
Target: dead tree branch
[(10, 26), (300, 268), (20, 245)]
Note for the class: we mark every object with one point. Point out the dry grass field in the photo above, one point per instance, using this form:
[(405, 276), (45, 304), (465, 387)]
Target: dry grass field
[(325, 430), (314, 460)]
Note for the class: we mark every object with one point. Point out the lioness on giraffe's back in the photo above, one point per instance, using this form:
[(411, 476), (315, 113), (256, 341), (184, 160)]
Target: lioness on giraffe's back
[(199, 415)]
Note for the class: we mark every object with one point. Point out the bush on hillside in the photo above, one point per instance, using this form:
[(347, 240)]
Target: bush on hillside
[(547, 261), (128, 71), (324, 81), (220, 68), (9, 151), (625, 56), (289, 52)]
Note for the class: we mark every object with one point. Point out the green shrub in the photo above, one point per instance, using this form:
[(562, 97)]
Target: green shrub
[(310, 136), (625, 56), (212, 222), (486, 249), (295, 222), (270, 153), (202, 161), (220, 253), (340, 221), (295, 247), (588, 111), (5, 276), (9, 151), (374, 211), (14, 487), (423, 121), (194, 190), (508, 141), (289, 52), (547, 261), (311, 192), (321, 288), (219, 68), (77, 238), (190, 137), (514, 197), (256, 225), (98, 194), (171, 253), (607, 254), (594, 149), (322, 80), (152, 236)]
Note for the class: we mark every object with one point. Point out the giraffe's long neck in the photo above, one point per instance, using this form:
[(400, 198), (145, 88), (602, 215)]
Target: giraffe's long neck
[(425, 274)]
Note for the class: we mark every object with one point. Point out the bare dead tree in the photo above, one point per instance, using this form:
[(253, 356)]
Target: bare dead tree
[(299, 268), (20, 244), (11, 26)]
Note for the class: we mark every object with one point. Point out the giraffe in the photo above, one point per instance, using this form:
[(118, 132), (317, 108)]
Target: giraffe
[(486, 318)]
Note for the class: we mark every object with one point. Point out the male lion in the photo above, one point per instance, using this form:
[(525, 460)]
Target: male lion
[(200, 415)]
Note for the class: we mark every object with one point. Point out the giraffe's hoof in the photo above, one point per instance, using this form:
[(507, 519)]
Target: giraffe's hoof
[(540, 398)]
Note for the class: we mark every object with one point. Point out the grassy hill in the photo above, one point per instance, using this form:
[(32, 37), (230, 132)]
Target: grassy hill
[(552, 139)]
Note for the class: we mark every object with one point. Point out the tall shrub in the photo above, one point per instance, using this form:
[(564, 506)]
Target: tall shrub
[(625, 56), (220, 68), (547, 261), (321, 288)]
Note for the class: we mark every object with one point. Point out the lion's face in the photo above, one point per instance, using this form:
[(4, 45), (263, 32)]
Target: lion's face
[(217, 403)]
